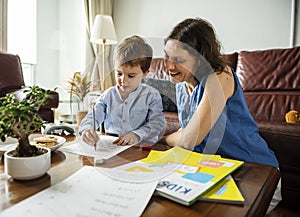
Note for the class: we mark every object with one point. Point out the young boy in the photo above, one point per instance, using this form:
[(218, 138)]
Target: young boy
[(131, 109)]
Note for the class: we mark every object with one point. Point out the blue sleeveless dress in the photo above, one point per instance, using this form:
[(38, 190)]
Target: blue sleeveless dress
[(235, 134)]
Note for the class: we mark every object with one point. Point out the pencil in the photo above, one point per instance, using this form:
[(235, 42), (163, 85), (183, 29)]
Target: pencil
[(94, 119)]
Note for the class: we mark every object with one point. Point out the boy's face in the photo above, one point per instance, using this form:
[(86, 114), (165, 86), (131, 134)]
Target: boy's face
[(128, 78)]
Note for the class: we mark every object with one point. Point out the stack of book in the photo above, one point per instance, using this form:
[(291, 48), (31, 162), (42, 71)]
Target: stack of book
[(193, 176)]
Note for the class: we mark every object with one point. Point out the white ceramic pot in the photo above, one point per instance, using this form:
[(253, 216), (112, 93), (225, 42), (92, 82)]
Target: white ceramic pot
[(26, 168)]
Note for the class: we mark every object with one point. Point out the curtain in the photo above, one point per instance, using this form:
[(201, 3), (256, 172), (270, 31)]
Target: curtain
[(3, 25), (93, 52)]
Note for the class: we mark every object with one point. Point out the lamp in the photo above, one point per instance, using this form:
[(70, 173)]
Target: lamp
[(103, 32)]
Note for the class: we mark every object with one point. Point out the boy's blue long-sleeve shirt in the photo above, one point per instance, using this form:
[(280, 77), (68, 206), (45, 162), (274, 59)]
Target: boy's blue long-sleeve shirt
[(141, 113)]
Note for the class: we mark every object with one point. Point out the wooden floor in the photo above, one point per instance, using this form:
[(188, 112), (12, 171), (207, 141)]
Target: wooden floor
[(281, 211)]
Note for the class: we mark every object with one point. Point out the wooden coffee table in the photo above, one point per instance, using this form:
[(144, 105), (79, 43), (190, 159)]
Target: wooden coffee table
[(256, 182)]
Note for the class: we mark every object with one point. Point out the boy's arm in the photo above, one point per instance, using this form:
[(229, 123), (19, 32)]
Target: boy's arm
[(155, 122), (88, 121)]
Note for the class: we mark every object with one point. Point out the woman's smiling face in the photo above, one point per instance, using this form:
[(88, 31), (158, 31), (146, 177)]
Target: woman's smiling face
[(181, 64)]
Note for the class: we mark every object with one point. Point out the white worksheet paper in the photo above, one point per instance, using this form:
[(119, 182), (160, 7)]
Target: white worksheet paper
[(105, 148), (88, 192)]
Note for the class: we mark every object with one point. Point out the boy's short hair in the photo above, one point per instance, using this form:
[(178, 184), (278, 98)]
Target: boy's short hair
[(133, 51)]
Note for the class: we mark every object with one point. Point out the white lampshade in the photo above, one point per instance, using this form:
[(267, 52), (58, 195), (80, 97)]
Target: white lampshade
[(103, 30)]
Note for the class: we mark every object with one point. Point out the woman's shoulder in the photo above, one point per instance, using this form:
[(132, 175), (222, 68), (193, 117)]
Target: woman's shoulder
[(224, 74), (223, 79)]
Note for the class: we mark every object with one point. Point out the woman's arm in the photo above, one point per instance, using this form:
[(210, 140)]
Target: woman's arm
[(172, 138), (218, 88)]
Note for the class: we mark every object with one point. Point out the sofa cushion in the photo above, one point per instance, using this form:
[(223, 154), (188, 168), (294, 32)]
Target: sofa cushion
[(272, 105), (232, 59), (167, 91), (269, 70), (11, 73), (158, 69)]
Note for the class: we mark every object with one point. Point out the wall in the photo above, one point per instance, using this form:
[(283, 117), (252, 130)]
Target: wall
[(60, 42), (60, 50), (47, 54), (297, 22), (72, 40), (240, 24)]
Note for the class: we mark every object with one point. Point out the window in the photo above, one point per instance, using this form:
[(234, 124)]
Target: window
[(21, 34), (28, 73)]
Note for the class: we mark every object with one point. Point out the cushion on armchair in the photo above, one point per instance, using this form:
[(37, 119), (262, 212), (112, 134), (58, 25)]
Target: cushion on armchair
[(167, 91)]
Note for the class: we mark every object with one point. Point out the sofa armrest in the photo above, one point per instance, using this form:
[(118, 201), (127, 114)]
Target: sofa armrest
[(53, 101), (277, 127), (167, 91), (284, 140), (45, 112)]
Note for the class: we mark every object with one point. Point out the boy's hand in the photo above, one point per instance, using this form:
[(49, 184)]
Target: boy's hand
[(90, 137), (127, 139)]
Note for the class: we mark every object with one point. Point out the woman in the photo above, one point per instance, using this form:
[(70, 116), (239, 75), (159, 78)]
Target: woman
[(212, 110)]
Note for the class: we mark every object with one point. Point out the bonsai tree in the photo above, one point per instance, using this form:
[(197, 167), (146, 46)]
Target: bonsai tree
[(19, 119)]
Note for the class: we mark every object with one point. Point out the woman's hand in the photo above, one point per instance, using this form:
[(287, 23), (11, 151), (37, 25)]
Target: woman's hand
[(89, 136), (127, 139)]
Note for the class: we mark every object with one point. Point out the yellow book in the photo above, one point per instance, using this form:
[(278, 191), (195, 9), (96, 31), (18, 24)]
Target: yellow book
[(194, 175), (224, 192), (183, 175)]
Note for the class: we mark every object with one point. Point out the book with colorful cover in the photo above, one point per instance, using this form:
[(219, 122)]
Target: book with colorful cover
[(194, 175), (224, 192), (184, 175)]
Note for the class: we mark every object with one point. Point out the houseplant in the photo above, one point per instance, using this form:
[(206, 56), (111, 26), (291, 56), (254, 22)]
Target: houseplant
[(80, 86), (19, 119)]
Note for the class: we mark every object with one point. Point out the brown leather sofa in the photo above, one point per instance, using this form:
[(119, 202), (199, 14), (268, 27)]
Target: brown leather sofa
[(271, 83), (12, 81)]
